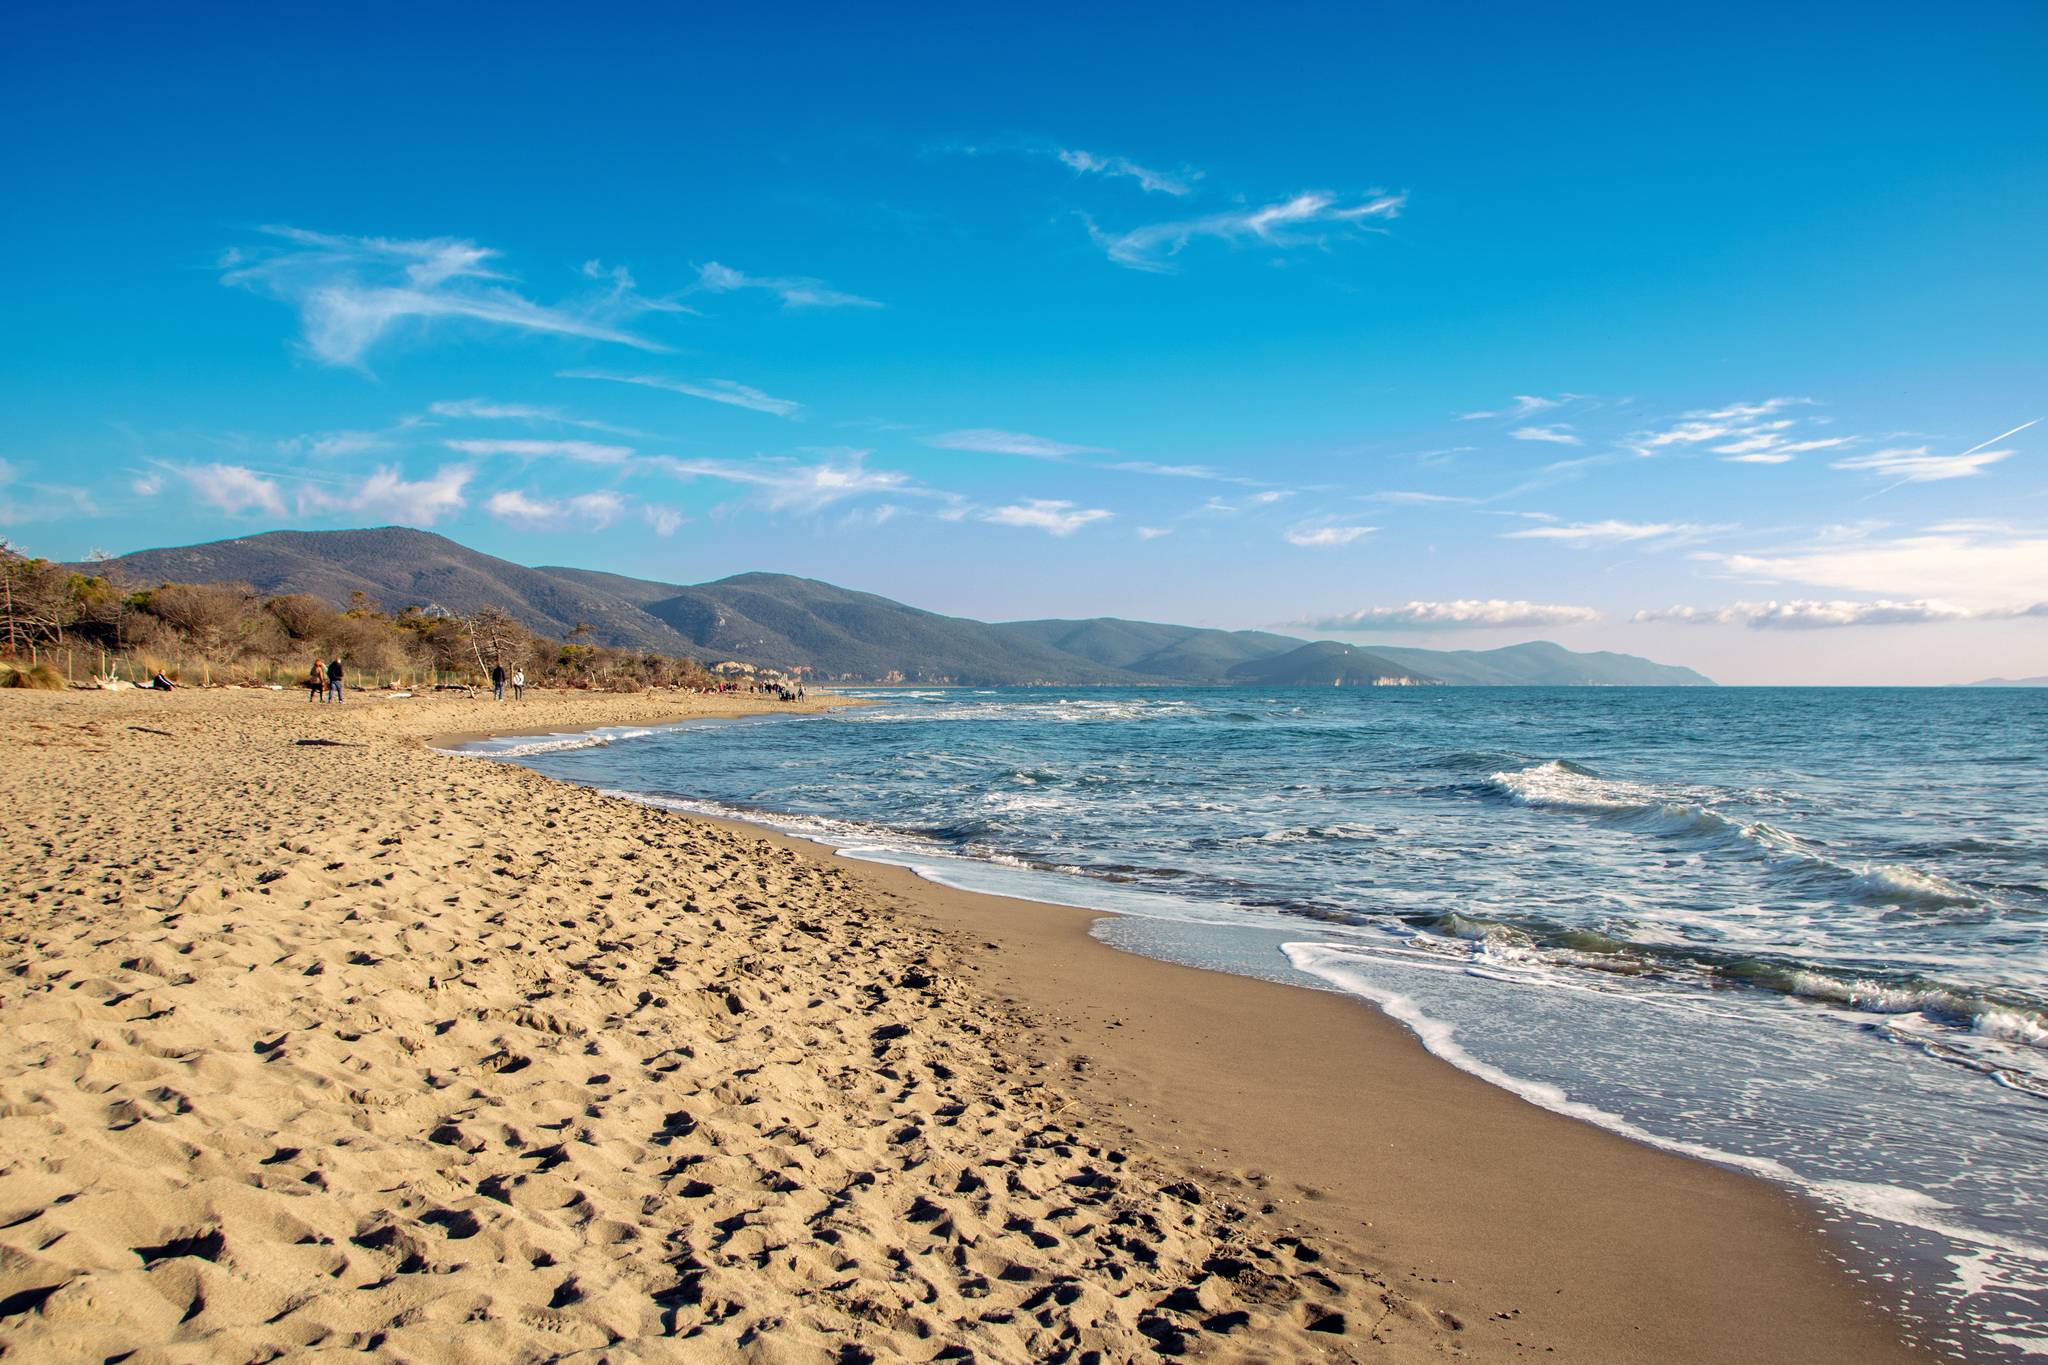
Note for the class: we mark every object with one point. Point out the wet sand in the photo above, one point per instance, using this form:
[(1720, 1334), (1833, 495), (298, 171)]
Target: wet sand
[(371, 1048)]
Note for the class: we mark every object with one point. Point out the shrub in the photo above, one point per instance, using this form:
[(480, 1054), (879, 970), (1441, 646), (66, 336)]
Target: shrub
[(41, 677)]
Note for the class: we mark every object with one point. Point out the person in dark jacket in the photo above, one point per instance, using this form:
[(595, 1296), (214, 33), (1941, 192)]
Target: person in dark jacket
[(498, 681), (334, 680)]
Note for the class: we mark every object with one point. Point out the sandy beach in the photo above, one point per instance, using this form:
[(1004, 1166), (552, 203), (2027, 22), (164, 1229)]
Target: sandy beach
[(358, 1046)]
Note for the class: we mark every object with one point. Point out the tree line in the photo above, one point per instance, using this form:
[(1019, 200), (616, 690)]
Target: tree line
[(82, 624)]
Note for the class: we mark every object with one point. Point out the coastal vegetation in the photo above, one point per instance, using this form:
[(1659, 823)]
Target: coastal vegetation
[(75, 623)]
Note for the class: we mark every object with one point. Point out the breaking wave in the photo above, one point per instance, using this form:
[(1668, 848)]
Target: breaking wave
[(1692, 812)]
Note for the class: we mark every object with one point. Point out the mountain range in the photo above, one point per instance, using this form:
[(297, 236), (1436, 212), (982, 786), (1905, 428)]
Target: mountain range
[(777, 620)]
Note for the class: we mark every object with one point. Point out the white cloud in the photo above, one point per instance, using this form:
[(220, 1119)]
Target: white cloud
[(329, 445), (786, 485), (1916, 464), (624, 295), (351, 291), (43, 501), (1154, 532), (1175, 471), (1583, 534), (1326, 537), (1555, 434), (513, 505), (1157, 182), (388, 494), (992, 442), (595, 510), (795, 291), (870, 517), (146, 485), (1304, 220), (1463, 614), (585, 452), (1055, 516), (488, 410), (665, 520), (1401, 498), (600, 509), (234, 489), (1743, 433), (1976, 570), (726, 391), (1525, 405), (1801, 614)]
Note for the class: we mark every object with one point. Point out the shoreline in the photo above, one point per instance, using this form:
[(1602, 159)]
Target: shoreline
[(319, 1072), (1063, 951)]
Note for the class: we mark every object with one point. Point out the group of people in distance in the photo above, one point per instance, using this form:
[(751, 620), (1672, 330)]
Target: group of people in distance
[(498, 681), (323, 681)]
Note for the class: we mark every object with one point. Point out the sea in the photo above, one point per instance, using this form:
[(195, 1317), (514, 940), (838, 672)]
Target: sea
[(1798, 932)]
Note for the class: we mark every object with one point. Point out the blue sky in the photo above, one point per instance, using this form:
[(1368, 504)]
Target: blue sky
[(1713, 336)]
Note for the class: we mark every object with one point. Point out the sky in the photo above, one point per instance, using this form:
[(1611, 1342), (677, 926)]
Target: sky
[(1714, 335)]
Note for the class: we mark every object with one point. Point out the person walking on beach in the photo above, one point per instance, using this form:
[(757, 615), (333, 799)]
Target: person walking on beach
[(519, 684), (334, 679), (498, 681), (316, 681)]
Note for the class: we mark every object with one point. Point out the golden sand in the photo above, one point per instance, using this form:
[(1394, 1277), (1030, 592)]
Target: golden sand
[(364, 1047)]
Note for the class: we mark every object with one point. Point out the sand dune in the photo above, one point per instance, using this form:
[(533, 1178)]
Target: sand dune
[(371, 1048)]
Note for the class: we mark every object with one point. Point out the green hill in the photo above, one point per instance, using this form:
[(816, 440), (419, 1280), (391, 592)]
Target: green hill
[(1542, 664), (781, 621), (1326, 664)]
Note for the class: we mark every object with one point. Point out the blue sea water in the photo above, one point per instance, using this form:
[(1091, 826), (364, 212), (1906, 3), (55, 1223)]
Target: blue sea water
[(1802, 932)]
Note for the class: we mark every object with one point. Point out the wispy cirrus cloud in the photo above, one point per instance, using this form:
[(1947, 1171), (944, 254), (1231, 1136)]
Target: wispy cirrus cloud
[(1407, 498), (352, 292), (1462, 614), (1204, 472), (25, 500), (1055, 516), (1765, 431), (1524, 405), (1556, 433), (1919, 464), (1176, 183), (490, 410), (1308, 219), (1252, 503), (988, 440), (332, 445), (584, 452), (728, 391), (795, 291), (1583, 535), (1326, 535), (1804, 614), (1084, 163), (795, 486)]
